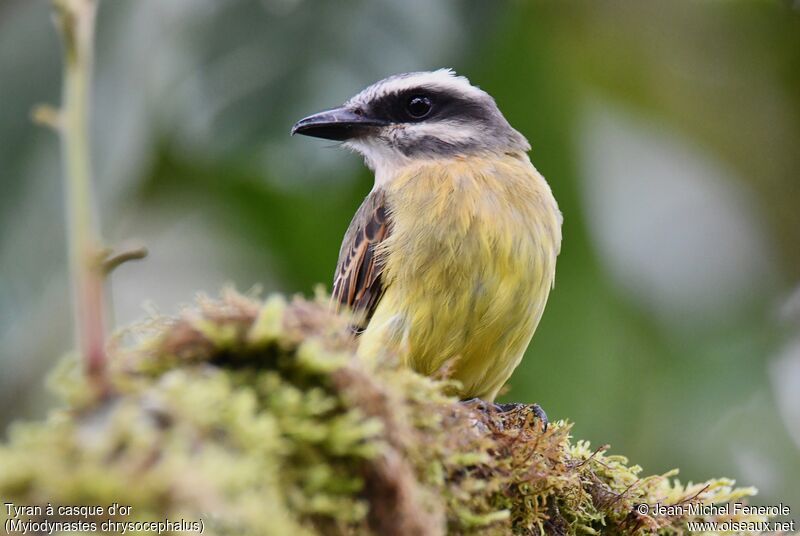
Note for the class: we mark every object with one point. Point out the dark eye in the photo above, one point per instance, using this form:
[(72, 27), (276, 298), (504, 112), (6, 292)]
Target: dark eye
[(419, 106)]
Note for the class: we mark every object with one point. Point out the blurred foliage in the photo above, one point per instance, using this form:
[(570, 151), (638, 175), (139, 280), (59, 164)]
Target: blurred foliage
[(194, 103)]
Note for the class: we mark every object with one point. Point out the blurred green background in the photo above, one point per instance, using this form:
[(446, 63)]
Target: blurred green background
[(669, 131)]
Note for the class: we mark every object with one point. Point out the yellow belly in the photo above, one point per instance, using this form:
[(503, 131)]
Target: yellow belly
[(468, 267)]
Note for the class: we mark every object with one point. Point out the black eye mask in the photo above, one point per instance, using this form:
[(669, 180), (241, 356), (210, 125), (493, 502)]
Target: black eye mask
[(394, 107)]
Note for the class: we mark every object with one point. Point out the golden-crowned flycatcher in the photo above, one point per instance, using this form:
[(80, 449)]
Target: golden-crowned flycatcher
[(451, 257)]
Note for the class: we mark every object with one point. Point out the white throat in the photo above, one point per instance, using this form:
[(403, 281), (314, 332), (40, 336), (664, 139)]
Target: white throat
[(384, 161)]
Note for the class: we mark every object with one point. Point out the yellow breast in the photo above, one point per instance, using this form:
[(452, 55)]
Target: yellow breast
[(468, 267)]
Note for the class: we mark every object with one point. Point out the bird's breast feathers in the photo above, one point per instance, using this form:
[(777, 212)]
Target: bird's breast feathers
[(467, 267)]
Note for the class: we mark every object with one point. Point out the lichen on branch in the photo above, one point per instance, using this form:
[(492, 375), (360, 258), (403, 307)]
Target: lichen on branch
[(258, 418)]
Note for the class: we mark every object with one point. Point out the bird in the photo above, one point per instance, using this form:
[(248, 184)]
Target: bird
[(449, 261)]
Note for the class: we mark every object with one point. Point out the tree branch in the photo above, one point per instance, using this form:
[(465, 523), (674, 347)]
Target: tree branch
[(76, 19)]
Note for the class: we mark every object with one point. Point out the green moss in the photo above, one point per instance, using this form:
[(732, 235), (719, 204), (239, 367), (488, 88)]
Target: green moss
[(258, 418)]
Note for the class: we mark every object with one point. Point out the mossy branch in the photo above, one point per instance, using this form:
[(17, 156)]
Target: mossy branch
[(260, 419)]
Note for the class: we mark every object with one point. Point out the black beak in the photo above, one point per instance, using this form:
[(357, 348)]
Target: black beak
[(338, 124)]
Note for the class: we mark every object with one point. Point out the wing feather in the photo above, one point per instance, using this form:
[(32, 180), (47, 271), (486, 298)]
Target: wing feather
[(357, 282)]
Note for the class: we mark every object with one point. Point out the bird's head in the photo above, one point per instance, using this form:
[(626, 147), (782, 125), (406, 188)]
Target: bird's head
[(423, 115)]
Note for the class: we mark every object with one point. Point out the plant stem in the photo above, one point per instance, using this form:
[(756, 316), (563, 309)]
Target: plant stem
[(76, 19)]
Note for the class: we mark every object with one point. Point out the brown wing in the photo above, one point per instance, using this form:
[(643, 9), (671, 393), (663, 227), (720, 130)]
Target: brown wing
[(357, 282)]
